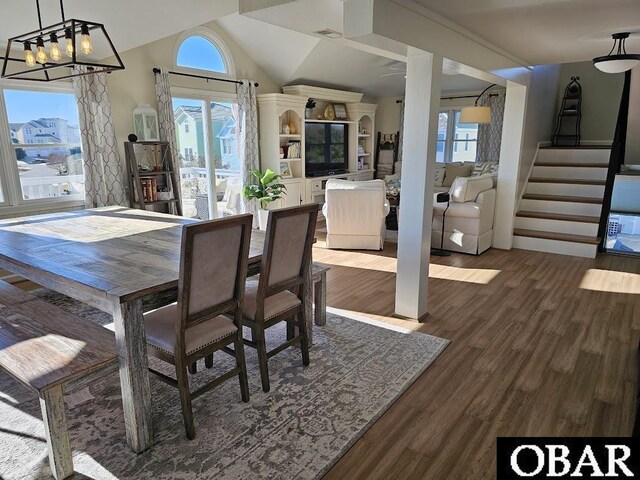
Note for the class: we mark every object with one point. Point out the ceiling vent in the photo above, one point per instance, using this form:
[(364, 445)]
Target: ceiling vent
[(327, 32)]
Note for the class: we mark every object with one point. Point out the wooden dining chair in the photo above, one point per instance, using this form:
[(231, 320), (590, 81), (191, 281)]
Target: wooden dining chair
[(280, 292), (208, 314)]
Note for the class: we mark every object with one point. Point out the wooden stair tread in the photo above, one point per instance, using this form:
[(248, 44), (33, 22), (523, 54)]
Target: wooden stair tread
[(559, 216), (569, 181), (561, 198), (569, 164), (563, 237)]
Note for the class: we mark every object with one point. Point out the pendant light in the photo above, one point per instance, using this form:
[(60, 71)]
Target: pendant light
[(619, 62), (46, 63)]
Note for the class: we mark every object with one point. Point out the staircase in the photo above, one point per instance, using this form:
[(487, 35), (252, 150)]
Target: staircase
[(560, 209)]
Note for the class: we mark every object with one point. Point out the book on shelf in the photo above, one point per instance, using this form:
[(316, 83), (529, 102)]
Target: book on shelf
[(149, 190)]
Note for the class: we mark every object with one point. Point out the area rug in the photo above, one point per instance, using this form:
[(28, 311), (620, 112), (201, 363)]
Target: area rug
[(302, 427)]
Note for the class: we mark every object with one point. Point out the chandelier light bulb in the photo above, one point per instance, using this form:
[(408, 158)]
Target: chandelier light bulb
[(69, 36), (55, 53), (85, 44), (29, 57), (41, 56)]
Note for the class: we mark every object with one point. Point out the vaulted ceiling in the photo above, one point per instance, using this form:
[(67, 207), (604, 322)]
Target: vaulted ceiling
[(538, 31)]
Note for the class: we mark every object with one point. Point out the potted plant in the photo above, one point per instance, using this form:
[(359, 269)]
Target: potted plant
[(267, 190)]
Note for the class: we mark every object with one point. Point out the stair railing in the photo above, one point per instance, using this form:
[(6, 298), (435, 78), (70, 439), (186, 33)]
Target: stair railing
[(616, 159)]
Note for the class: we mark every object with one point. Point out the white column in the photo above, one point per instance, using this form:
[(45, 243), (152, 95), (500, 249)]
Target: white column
[(515, 107), (422, 104)]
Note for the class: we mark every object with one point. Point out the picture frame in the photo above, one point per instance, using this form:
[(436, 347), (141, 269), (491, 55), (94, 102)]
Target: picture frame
[(341, 111), (285, 170)]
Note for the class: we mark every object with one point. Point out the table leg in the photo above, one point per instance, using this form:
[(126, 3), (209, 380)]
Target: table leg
[(320, 299), (134, 374), (55, 430)]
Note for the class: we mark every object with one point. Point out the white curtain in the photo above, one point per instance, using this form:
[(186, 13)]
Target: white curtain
[(248, 138), (490, 135), (104, 170), (166, 122)]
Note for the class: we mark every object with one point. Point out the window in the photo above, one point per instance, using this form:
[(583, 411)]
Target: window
[(210, 152), (456, 141), (201, 53), (45, 153), (227, 146), (186, 128)]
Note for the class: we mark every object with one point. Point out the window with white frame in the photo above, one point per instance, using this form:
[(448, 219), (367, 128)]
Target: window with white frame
[(457, 141), (42, 161), (202, 49)]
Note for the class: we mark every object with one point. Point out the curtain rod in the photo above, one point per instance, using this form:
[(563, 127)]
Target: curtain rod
[(460, 96), (191, 75)]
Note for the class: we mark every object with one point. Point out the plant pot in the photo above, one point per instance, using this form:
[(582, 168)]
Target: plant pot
[(263, 217)]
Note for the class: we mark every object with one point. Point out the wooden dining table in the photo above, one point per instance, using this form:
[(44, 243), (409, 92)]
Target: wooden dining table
[(109, 258)]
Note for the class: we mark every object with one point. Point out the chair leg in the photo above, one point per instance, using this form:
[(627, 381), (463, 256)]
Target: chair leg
[(262, 357), (304, 341), (290, 329), (242, 364), (208, 360), (185, 400), (193, 368)]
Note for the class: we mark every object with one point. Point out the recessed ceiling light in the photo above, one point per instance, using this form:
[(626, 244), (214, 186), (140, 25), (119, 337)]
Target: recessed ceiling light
[(327, 32)]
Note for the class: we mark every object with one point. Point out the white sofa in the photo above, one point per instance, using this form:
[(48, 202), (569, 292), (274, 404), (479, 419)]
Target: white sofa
[(355, 213), (468, 221)]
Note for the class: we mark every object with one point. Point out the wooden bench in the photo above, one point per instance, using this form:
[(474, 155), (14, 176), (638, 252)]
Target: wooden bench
[(51, 352)]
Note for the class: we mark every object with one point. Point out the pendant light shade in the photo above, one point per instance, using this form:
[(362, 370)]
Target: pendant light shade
[(618, 62), (475, 115)]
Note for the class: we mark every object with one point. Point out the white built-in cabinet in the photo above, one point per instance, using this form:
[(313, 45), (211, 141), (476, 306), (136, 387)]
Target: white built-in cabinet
[(277, 110)]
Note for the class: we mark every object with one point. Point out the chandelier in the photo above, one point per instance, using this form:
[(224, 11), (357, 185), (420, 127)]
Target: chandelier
[(45, 60), (619, 62)]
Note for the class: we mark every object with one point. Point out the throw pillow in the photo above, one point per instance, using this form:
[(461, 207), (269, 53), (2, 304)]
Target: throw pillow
[(478, 169), (440, 172), (491, 167), (453, 170)]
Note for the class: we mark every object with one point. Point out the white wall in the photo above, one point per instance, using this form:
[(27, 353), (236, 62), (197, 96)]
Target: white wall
[(388, 115), (135, 85), (600, 100), (540, 117), (632, 154)]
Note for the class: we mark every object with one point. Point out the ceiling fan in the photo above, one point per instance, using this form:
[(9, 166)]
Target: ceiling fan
[(397, 68)]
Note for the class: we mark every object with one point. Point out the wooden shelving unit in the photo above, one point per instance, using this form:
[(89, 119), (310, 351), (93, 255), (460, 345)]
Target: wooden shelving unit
[(150, 168)]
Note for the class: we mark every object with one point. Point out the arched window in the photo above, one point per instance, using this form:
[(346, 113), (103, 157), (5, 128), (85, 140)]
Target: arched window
[(203, 50)]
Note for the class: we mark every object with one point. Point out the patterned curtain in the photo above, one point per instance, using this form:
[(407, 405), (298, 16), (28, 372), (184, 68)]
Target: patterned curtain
[(104, 171), (248, 138), (166, 122), (490, 135)]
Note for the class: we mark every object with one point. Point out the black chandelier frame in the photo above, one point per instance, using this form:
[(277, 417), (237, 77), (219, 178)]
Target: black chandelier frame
[(61, 30)]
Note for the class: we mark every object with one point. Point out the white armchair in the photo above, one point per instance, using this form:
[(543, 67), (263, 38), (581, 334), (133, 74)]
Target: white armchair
[(355, 214), (468, 221)]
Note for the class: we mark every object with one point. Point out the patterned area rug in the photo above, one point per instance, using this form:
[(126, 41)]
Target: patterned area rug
[(310, 418)]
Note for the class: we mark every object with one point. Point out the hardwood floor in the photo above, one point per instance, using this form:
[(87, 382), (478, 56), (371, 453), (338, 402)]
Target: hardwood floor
[(542, 344)]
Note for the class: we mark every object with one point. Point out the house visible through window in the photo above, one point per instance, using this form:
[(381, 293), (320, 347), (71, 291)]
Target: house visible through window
[(45, 150), (211, 144), (456, 141)]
